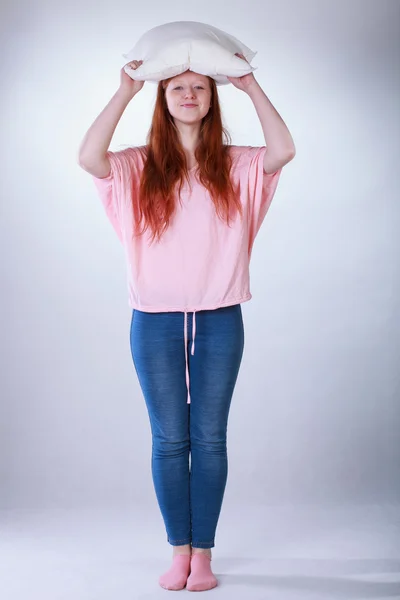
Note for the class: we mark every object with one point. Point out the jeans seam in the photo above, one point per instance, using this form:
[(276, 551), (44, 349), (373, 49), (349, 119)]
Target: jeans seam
[(209, 542)]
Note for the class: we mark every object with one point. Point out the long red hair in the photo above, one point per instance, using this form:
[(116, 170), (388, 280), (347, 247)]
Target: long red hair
[(165, 167)]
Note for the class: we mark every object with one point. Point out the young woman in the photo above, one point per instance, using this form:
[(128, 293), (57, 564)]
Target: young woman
[(187, 207)]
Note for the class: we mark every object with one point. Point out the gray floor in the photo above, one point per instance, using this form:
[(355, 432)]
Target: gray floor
[(260, 553)]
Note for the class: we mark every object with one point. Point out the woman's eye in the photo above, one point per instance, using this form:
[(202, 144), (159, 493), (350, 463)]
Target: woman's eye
[(179, 87)]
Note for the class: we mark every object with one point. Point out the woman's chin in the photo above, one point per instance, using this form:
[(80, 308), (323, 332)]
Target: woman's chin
[(188, 121)]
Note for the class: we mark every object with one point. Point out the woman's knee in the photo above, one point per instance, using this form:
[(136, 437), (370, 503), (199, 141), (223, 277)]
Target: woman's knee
[(170, 445), (209, 444)]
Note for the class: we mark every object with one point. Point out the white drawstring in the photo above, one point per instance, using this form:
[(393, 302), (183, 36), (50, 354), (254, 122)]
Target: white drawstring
[(192, 352)]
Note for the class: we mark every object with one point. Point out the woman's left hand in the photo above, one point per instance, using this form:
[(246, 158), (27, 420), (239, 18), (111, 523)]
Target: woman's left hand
[(246, 81)]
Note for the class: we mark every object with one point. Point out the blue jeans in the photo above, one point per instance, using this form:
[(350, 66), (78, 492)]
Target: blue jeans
[(189, 495)]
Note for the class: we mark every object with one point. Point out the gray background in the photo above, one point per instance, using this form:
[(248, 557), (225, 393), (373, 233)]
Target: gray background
[(311, 508), (315, 415)]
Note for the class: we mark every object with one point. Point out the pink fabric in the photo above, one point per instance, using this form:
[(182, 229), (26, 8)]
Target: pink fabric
[(201, 577), (176, 577), (200, 263)]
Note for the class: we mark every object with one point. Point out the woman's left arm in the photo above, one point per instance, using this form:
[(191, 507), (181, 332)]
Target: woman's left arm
[(279, 142)]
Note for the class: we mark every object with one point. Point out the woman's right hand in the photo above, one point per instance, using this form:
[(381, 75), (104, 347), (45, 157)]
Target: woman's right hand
[(129, 85)]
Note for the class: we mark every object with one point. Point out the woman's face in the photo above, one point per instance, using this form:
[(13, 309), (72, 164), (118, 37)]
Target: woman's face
[(188, 97)]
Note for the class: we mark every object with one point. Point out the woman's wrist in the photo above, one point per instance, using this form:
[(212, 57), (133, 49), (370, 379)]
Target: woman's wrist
[(124, 95), (253, 88)]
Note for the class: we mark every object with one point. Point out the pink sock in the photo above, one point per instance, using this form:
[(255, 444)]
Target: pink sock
[(201, 577), (175, 578)]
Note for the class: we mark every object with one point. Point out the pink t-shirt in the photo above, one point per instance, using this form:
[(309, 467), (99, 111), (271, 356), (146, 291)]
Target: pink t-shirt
[(200, 263)]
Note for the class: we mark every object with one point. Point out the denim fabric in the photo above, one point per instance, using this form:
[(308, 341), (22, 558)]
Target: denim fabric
[(189, 492)]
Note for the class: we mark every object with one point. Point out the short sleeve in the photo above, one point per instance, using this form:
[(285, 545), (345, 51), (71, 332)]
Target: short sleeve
[(115, 190), (257, 188)]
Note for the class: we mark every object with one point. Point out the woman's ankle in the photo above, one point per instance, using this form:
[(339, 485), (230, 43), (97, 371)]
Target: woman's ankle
[(186, 550), (206, 551)]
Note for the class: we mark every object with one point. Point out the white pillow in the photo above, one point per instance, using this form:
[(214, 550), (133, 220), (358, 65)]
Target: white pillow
[(172, 48)]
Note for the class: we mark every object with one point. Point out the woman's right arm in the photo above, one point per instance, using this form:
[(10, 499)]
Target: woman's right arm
[(94, 146)]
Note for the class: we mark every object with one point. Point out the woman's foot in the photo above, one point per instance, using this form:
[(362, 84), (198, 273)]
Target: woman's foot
[(201, 577), (176, 577)]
